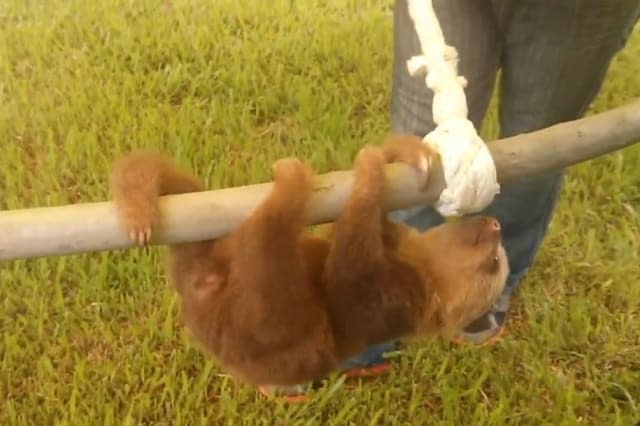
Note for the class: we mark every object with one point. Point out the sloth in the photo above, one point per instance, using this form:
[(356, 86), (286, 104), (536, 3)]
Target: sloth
[(277, 305)]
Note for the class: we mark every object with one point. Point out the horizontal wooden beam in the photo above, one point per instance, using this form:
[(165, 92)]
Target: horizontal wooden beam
[(89, 227)]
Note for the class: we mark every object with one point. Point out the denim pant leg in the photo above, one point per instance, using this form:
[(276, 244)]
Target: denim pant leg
[(473, 27), (556, 55), (470, 26)]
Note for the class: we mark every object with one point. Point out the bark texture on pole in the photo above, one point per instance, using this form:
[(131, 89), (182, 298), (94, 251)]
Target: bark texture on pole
[(89, 227)]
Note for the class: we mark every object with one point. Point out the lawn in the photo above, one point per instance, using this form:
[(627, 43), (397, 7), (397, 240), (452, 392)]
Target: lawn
[(226, 88)]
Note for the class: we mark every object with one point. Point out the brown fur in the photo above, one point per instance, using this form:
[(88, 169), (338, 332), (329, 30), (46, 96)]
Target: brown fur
[(279, 306)]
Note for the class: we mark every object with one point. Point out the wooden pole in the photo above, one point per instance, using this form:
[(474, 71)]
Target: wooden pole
[(89, 227)]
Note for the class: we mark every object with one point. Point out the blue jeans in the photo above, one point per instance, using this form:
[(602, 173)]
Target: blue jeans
[(553, 56)]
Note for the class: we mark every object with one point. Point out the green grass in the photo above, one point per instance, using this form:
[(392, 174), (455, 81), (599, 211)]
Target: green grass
[(228, 87)]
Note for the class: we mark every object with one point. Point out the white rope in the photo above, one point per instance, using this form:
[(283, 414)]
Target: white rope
[(469, 170)]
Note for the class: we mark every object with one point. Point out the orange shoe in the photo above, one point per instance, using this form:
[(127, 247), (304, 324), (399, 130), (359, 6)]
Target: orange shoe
[(299, 393)]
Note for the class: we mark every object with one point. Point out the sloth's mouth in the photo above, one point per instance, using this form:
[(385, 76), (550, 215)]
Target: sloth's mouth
[(492, 261)]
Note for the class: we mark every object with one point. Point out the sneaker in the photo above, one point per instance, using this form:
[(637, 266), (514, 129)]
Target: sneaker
[(295, 393), (370, 363), (487, 329)]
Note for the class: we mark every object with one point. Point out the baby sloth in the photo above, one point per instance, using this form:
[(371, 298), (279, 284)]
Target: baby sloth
[(278, 306)]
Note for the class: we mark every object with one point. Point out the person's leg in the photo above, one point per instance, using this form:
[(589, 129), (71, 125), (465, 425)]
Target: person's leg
[(556, 55), (470, 26)]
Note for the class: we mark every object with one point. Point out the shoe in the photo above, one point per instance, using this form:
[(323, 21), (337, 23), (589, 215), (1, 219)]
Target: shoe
[(291, 394), (370, 363), (488, 329)]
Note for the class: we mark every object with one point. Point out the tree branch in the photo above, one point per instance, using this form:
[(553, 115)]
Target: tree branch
[(89, 227)]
